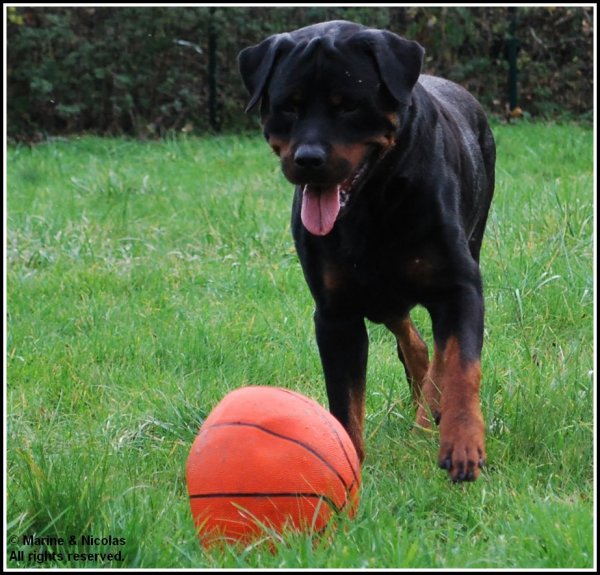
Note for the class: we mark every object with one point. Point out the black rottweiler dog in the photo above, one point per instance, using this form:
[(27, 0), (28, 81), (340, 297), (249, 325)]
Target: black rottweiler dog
[(394, 174)]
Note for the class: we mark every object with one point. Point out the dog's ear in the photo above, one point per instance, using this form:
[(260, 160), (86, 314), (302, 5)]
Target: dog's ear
[(257, 62), (399, 61)]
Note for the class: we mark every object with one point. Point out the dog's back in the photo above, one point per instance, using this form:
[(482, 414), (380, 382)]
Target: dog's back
[(458, 108)]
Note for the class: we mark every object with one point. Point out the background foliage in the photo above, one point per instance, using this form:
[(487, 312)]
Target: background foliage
[(147, 71)]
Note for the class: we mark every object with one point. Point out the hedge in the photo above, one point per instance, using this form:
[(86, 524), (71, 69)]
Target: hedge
[(149, 71)]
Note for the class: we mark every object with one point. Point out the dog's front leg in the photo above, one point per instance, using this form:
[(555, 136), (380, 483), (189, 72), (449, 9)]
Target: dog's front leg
[(455, 371), (343, 346)]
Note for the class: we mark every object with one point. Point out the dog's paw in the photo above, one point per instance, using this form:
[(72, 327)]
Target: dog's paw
[(462, 448), (426, 417)]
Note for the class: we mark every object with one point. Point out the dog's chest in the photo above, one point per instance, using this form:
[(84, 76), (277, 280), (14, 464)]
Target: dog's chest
[(381, 280)]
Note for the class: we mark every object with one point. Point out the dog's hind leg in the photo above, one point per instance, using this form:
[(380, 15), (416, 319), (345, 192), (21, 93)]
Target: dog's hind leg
[(413, 354)]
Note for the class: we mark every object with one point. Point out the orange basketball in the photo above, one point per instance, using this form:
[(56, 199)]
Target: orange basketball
[(268, 458)]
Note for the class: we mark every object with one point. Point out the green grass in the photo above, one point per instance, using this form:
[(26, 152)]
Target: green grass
[(147, 280)]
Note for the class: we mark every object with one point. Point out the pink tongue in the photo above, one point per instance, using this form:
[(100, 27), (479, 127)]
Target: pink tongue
[(320, 208)]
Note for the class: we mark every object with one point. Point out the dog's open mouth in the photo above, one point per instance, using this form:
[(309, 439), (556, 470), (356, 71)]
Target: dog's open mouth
[(321, 205)]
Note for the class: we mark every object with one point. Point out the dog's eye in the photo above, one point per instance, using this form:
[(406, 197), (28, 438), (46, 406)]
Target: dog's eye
[(290, 109), (348, 108)]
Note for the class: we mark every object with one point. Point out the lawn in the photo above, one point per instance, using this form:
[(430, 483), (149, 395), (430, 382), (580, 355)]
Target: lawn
[(145, 280)]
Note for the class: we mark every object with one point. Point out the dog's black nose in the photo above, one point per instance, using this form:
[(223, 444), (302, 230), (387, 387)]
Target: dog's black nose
[(310, 156)]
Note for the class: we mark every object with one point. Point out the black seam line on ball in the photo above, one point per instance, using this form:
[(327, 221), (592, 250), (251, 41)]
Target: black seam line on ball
[(331, 428), (324, 498), (287, 438)]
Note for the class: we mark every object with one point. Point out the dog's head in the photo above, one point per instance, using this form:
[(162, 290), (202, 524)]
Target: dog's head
[(330, 96)]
